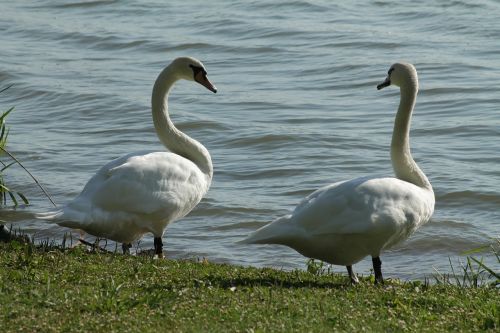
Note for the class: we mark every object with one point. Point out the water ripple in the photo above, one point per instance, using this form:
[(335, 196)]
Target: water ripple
[(296, 109)]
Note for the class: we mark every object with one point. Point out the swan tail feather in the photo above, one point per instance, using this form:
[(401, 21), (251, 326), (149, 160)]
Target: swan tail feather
[(64, 217), (280, 231), (50, 217)]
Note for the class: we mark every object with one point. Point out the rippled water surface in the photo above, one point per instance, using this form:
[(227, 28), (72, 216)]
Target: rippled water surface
[(296, 109)]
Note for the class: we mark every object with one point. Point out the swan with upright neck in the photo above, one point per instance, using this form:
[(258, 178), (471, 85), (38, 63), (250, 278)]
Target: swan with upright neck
[(145, 191), (344, 222)]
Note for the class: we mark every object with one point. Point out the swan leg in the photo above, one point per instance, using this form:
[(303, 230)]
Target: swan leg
[(78, 242), (126, 248), (158, 247), (352, 275), (377, 268)]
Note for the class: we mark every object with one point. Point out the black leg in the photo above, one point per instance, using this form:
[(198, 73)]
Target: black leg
[(352, 276), (377, 268), (158, 247), (126, 248)]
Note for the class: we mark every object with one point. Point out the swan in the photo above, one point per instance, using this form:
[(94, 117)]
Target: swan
[(145, 191), (346, 221)]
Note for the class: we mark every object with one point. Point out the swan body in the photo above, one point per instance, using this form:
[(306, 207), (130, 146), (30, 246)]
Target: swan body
[(346, 221), (145, 191)]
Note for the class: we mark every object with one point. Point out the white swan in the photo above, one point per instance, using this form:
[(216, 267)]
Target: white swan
[(344, 222), (145, 191)]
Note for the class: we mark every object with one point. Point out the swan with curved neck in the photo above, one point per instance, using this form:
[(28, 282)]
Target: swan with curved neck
[(145, 191), (344, 222)]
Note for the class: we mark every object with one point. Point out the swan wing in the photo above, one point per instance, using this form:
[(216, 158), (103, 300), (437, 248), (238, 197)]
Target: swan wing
[(160, 183), (363, 206)]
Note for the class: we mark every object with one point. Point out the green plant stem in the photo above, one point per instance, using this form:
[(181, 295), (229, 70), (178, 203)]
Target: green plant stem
[(29, 173)]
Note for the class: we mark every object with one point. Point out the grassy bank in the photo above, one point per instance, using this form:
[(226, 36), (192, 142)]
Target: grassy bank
[(51, 290)]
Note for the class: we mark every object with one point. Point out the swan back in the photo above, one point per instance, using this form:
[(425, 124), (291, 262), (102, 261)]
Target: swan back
[(343, 222)]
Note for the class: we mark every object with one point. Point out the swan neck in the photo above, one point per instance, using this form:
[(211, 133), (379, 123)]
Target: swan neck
[(403, 163), (172, 138)]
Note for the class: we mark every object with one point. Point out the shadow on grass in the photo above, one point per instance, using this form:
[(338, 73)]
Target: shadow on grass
[(249, 282), (284, 282)]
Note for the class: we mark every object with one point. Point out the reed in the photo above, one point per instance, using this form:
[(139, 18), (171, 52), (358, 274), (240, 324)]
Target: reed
[(5, 191)]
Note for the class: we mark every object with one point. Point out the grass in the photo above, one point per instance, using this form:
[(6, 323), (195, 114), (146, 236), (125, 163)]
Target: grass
[(473, 272), (48, 289)]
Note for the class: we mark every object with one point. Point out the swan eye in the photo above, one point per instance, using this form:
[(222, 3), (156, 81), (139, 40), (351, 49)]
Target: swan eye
[(390, 71), (197, 69)]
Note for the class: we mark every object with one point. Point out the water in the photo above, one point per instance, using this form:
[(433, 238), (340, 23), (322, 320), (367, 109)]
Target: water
[(296, 109)]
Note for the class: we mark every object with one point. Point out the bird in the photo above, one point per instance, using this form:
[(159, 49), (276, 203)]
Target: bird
[(344, 222), (143, 192)]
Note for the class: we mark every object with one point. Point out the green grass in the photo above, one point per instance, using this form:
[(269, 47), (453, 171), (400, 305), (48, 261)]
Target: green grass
[(45, 289)]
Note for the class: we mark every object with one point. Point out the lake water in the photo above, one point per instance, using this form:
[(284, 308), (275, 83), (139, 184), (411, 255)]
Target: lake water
[(297, 109)]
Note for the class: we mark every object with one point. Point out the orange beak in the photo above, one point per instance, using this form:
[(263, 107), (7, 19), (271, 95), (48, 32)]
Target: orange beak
[(202, 79)]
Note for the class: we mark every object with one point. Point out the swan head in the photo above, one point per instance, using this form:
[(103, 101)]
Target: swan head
[(401, 75), (192, 69)]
